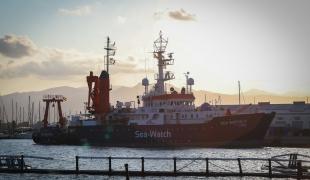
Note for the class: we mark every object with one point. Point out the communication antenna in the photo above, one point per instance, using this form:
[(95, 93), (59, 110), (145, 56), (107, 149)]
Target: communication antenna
[(159, 46), (110, 49), (239, 89), (186, 76), (145, 66)]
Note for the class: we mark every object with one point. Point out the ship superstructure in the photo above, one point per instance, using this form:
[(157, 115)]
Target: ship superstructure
[(162, 106)]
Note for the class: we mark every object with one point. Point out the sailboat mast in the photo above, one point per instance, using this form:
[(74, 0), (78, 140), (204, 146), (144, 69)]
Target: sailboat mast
[(32, 111), (12, 111), (29, 111), (23, 114), (39, 110), (0, 117), (16, 113), (20, 114)]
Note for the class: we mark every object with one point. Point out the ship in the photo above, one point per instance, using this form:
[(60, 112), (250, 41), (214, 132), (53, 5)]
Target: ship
[(163, 118), (290, 126)]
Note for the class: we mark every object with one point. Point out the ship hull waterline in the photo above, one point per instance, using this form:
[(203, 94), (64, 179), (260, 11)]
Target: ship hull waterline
[(235, 131)]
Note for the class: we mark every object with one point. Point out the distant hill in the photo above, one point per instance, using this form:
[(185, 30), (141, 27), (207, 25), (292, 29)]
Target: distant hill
[(77, 96), (257, 92)]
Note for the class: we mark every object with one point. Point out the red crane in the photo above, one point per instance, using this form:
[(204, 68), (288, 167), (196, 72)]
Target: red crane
[(54, 99)]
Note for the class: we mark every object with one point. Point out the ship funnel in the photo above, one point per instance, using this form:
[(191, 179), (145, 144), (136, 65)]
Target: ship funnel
[(104, 93)]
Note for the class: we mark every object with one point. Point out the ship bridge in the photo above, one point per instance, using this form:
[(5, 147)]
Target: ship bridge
[(170, 102)]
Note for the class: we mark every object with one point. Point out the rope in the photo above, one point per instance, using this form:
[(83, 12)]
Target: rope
[(185, 166), (193, 161), (221, 167)]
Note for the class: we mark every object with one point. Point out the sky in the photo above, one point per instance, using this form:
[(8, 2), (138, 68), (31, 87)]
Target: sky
[(265, 44)]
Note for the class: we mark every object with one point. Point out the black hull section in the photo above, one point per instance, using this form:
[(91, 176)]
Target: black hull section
[(234, 131)]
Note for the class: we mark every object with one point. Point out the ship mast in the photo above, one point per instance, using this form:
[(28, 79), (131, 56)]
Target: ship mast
[(110, 48), (159, 53)]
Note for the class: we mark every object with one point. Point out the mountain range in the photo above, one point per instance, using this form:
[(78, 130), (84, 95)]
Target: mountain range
[(77, 96)]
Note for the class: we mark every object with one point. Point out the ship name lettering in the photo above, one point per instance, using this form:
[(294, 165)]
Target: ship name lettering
[(160, 134), (140, 134), (153, 134)]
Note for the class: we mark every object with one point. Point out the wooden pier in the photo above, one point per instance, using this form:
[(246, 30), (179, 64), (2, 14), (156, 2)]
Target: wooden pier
[(297, 170)]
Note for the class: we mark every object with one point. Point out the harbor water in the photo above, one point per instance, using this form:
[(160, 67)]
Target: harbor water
[(64, 158)]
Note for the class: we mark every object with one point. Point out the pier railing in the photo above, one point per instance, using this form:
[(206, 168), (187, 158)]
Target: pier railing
[(204, 166)]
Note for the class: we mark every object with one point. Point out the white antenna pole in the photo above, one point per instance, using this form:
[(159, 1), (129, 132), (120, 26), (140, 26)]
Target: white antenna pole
[(186, 75), (239, 90), (145, 67)]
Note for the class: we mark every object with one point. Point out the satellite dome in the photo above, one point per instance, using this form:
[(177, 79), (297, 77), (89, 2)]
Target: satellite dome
[(190, 81), (145, 82)]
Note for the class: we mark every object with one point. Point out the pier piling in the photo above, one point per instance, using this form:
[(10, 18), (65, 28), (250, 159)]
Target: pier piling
[(110, 165), (127, 171), (142, 165), (77, 164), (240, 168), (207, 166), (175, 166), (270, 168), (299, 170), (22, 163)]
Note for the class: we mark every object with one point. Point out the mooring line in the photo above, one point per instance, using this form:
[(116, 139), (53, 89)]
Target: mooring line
[(221, 167), (187, 165)]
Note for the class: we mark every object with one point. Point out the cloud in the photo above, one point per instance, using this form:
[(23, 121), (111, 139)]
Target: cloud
[(131, 59), (181, 15), (17, 46), (51, 63), (121, 19), (130, 65), (159, 15), (50, 68), (77, 11), (10, 62)]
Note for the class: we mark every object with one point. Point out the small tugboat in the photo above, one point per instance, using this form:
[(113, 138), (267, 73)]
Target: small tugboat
[(165, 119)]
